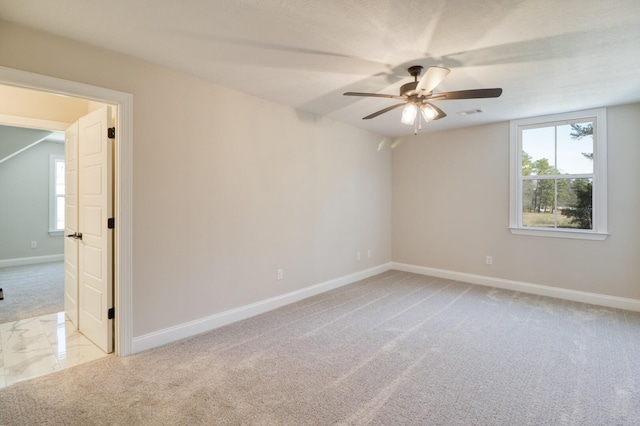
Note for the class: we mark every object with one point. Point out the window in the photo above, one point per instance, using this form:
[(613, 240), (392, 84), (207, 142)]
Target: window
[(56, 194), (558, 175)]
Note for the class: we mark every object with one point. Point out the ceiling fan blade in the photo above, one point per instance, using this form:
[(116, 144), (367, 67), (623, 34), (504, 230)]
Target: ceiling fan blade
[(467, 94), (431, 79), (374, 95), (382, 111)]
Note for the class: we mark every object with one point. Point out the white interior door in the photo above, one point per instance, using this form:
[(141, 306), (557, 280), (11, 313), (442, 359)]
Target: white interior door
[(71, 224), (94, 209)]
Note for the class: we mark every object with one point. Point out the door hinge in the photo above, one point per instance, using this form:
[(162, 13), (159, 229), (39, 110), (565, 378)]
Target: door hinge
[(111, 133), (111, 223), (111, 313)]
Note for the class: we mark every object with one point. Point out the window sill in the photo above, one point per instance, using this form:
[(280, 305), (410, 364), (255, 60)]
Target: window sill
[(56, 233), (573, 234)]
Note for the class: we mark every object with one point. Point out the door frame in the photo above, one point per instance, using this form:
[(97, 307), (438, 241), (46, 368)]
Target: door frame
[(123, 237)]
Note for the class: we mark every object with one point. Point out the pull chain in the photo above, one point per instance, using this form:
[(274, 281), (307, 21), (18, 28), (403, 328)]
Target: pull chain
[(417, 125)]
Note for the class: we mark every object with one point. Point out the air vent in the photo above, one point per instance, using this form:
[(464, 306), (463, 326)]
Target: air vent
[(471, 111)]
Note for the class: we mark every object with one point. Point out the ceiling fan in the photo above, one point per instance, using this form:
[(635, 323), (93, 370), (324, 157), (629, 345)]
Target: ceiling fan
[(417, 94)]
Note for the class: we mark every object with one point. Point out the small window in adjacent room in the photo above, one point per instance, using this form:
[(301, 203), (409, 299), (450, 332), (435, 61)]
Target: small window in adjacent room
[(56, 195), (559, 176)]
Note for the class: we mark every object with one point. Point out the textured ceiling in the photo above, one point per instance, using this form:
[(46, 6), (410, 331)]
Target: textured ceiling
[(548, 55)]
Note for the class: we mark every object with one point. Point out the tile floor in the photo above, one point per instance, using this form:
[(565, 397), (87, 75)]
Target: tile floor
[(38, 346)]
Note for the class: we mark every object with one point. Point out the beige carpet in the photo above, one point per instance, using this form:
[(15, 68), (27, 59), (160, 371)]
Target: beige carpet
[(394, 349), (31, 291)]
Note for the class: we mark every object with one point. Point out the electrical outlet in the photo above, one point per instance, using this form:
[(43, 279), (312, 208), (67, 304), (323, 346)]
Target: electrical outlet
[(279, 274), (489, 260), (34, 244)]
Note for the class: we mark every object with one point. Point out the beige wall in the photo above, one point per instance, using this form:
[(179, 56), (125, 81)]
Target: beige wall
[(451, 209), (227, 187)]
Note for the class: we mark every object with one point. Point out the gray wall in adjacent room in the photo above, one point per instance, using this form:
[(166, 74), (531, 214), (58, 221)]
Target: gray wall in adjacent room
[(24, 204)]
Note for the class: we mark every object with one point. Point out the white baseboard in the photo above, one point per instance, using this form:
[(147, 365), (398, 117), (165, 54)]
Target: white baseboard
[(191, 328), (31, 260), (542, 290), (181, 331)]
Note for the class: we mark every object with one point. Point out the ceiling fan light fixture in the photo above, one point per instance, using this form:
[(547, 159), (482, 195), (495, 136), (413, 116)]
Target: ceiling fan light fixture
[(409, 114), (428, 112)]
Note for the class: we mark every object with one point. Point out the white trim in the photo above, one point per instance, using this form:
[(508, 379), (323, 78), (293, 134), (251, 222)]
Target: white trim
[(542, 290), (191, 328), (123, 273), (19, 261), (562, 233)]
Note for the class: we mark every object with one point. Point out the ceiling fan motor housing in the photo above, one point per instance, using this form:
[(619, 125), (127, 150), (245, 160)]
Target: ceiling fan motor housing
[(415, 71), (409, 88)]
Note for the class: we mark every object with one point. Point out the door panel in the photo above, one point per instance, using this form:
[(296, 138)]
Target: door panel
[(71, 224), (95, 248)]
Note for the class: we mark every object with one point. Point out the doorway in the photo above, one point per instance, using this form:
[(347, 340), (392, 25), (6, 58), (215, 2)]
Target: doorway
[(41, 195), (122, 270), (36, 336)]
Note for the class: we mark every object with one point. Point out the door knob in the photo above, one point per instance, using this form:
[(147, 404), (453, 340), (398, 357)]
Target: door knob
[(76, 235)]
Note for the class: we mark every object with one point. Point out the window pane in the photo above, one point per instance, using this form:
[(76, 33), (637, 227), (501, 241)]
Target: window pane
[(59, 177), (538, 151), (59, 212), (575, 202), (538, 203), (575, 148)]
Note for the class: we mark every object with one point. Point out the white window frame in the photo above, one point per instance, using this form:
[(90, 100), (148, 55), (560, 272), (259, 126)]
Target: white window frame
[(599, 231), (53, 219)]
